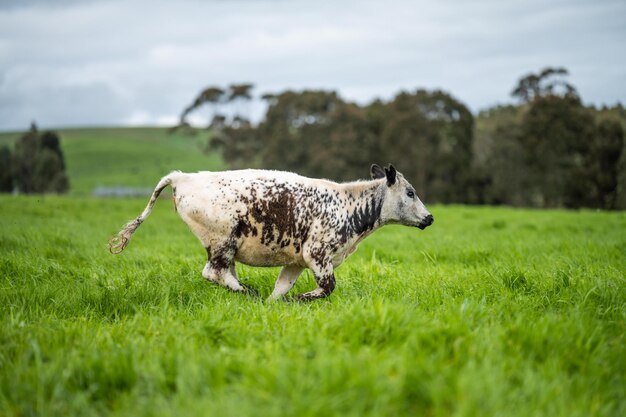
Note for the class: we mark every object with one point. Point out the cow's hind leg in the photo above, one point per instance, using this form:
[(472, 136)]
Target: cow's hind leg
[(220, 268), (248, 289)]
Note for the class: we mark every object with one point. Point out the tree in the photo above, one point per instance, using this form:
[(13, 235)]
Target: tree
[(51, 141), (49, 173), (603, 159), (615, 114), (38, 164), (345, 147), (25, 159), (6, 174), (499, 167), (539, 151), (430, 135), (238, 142), (549, 81), (316, 133), (556, 136), (294, 122), (239, 94), (235, 95), (213, 96), (550, 151)]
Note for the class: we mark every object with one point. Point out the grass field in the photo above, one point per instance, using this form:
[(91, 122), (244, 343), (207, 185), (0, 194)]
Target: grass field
[(489, 312), (130, 157)]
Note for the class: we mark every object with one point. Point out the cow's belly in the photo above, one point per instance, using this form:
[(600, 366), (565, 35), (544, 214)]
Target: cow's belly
[(253, 252)]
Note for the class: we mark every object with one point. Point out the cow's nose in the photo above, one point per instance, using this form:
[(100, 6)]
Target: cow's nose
[(428, 220)]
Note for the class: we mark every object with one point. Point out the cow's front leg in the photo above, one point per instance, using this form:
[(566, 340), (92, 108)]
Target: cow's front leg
[(286, 279), (325, 279)]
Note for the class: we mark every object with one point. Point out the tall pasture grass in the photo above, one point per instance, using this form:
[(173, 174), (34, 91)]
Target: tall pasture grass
[(491, 311)]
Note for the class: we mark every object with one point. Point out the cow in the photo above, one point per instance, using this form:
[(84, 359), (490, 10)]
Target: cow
[(273, 218)]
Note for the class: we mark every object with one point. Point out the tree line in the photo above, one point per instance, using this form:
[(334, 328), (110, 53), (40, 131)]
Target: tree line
[(547, 150)]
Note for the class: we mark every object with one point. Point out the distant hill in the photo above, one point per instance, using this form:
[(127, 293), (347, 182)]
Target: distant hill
[(133, 158)]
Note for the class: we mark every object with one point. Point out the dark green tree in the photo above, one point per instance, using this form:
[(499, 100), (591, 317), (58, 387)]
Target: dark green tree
[(615, 114), (38, 164), (50, 141), (6, 172), (239, 95), (238, 142), (24, 161), (317, 134), (212, 96), (556, 136), (343, 148), (49, 174), (499, 167), (603, 162), (293, 123), (549, 151), (548, 82), (429, 134)]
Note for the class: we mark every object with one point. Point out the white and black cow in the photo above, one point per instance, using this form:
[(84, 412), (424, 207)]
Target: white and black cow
[(273, 218)]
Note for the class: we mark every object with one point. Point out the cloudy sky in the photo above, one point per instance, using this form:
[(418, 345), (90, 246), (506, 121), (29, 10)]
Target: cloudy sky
[(114, 62)]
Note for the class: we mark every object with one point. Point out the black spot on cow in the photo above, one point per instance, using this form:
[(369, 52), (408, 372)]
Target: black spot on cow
[(244, 228), (275, 209), (220, 258), (363, 219)]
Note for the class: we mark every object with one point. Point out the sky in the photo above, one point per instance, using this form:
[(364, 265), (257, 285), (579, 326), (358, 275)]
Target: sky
[(70, 63)]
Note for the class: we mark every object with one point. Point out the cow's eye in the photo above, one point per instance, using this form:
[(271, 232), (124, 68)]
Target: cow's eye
[(410, 194)]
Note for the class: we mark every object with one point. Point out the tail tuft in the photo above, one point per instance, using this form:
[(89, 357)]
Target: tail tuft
[(119, 242)]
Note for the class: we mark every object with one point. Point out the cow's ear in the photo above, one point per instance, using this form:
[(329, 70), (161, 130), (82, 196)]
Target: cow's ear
[(376, 172), (390, 173)]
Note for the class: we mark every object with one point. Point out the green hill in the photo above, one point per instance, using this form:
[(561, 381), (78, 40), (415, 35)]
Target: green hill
[(127, 157)]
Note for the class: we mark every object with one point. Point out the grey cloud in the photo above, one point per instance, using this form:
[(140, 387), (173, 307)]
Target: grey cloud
[(151, 58), (45, 4), (52, 106)]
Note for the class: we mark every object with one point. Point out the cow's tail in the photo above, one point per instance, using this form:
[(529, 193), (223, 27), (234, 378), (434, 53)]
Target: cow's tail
[(118, 242)]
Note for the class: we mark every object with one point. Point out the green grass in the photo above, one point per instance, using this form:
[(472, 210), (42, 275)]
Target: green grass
[(130, 157), (490, 312)]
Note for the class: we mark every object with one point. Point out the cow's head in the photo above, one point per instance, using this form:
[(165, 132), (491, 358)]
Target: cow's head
[(401, 203)]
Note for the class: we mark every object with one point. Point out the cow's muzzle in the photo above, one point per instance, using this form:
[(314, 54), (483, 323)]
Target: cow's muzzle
[(427, 221)]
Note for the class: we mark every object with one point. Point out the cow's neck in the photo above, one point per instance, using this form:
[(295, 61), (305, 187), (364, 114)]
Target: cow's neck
[(365, 201)]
